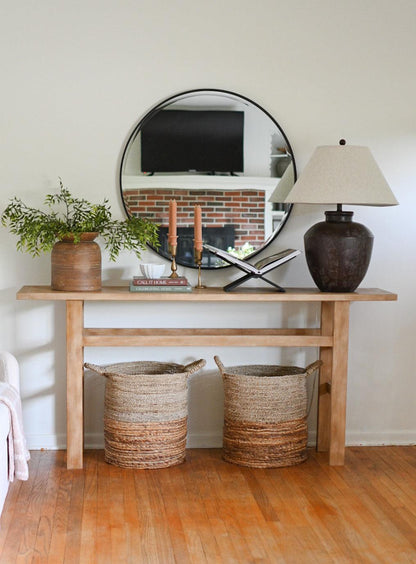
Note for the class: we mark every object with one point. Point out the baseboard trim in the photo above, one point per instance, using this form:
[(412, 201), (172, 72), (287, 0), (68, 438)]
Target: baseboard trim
[(385, 438), (45, 442), (390, 438), (213, 440), (204, 440)]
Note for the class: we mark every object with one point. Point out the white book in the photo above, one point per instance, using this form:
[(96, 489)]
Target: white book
[(258, 268)]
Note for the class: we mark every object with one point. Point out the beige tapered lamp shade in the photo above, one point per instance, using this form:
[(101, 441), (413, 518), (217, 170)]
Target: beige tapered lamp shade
[(338, 250), (343, 174)]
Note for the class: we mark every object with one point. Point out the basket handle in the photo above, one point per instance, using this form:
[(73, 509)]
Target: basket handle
[(96, 368), (195, 366), (310, 369), (219, 364)]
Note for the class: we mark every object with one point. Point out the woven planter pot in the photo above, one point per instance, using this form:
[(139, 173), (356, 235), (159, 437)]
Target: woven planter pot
[(265, 411), (145, 412)]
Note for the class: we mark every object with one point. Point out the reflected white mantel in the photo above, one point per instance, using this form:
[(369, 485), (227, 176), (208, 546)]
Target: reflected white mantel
[(200, 182)]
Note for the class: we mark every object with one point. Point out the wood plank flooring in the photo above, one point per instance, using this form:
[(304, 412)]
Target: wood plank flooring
[(210, 511)]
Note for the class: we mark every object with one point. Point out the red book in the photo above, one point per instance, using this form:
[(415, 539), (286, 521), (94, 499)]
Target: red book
[(163, 281)]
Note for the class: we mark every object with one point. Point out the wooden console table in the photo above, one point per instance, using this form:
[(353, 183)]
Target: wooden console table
[(331, 338)]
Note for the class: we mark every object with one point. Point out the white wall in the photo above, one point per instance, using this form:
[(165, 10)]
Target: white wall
[(76, 77)]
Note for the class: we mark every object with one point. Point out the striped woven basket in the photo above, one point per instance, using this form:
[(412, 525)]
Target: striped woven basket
[(145, 412), (265, 414)]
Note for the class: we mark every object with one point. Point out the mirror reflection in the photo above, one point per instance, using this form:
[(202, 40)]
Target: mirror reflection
[(218, 150)]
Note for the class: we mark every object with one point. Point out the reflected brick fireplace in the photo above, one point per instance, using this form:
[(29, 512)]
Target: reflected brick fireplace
[(239, 213)]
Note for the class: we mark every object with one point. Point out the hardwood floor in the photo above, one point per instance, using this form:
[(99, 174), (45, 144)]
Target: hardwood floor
[(209, 511)]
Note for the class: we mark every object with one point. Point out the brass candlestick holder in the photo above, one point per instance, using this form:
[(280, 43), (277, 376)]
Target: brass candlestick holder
[(198, 260), (172, 252)]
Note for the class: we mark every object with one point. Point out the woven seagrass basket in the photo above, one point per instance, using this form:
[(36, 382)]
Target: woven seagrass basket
[(265, 414), (145, 412)]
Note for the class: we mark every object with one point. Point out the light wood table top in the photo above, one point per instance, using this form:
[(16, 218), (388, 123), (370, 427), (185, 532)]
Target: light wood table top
[(211, 294)]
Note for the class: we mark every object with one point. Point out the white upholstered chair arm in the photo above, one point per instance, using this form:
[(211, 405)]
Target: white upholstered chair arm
[(9, 370)]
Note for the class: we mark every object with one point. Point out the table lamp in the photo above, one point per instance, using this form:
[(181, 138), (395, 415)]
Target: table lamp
[(338, 250)]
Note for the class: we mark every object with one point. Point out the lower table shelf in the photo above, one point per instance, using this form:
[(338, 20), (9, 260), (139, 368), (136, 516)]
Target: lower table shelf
[(206, 337)]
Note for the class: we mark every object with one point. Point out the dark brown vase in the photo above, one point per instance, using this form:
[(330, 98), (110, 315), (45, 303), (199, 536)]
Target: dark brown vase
[(76, 267), (338, 252)]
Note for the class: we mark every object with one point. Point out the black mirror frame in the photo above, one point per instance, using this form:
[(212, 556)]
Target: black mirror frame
[(164, 103)]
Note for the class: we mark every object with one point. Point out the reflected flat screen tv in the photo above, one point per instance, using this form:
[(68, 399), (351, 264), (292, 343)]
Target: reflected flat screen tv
[(193, 140)]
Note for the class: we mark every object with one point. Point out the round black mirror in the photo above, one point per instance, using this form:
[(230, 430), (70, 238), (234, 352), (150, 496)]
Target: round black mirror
[(216, 149)]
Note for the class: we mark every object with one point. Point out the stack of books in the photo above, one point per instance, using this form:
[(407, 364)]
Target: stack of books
[(163, 284)]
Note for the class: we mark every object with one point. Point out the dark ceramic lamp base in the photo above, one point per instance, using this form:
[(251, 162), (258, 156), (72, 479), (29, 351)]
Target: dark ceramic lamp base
[(338, 252)]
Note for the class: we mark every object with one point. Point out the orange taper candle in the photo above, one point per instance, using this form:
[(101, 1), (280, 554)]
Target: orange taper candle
[(172, 238), (198, 228)]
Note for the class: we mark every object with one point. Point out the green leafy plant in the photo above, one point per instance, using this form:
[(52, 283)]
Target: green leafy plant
[(66, 216)]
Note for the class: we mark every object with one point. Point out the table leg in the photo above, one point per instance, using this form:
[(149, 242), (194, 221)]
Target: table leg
[(333, 382), (325, 376), (74, 383), (339, 383)]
